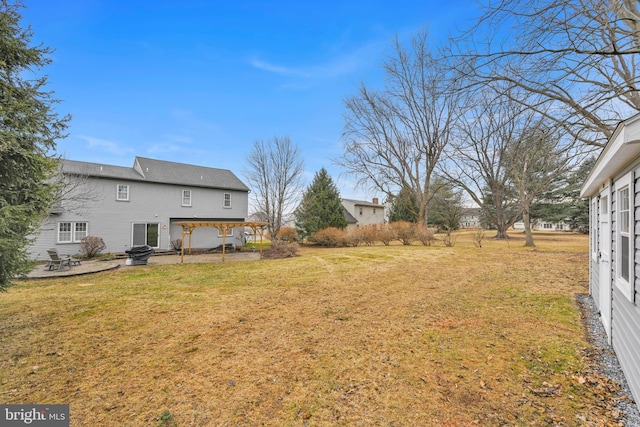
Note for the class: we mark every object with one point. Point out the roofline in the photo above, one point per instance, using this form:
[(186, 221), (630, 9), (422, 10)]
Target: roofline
[(115, 178), (98, 166), (362, 203), (620, 151)]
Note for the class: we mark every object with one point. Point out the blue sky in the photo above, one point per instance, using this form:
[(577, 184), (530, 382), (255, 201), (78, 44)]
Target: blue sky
[(199, 81)]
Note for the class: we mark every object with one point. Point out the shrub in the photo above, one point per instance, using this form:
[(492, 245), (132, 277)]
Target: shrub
[(369, 234), (449, 240), (404, 231), (354, 237), (91, 246), (478, 235), (385, 234), (426, 235), (283, 249), (288, 234), (330, 237), (176, 244)]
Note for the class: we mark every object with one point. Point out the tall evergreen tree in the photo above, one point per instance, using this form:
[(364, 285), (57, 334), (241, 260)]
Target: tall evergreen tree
[(404, 206), (563, 202), (29, 127), (446, 206), (321, 206)]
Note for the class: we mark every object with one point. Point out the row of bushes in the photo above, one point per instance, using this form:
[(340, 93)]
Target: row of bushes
[(405, 232)]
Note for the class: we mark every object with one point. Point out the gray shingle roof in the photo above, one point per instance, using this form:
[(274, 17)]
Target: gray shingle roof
[(160, 171), (350, 218)]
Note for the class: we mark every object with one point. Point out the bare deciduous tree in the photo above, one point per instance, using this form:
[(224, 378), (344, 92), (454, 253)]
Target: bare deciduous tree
[(394, 138), (76, 192), (574, 59), (478, 161), (276, 179)]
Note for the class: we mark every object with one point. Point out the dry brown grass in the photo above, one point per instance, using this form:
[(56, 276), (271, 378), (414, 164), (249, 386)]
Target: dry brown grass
[(380, 335)]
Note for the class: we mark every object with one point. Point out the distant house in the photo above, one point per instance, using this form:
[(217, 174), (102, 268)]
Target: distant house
[(138, 205), (544, 226), (360, 213), (613, 189), (470, 218)]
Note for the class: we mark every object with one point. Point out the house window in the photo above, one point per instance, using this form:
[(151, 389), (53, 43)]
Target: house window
[(122, 192), (547, 226), (80, 231), (623, 233), (227, 200), (186, 197), (229, 233), (374, 210), (360, 211), (72, 232), (64, 232), (624, 242)]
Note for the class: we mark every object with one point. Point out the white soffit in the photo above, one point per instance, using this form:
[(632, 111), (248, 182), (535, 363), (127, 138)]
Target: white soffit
[(621, 149)]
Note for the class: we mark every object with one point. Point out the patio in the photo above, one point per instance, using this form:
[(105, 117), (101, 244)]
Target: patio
[(90, 267)]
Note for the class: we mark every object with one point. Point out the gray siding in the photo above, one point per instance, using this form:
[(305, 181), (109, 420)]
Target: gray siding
[(625, 326), (614, 227), (618, 164), (148, 203), (626, 339)]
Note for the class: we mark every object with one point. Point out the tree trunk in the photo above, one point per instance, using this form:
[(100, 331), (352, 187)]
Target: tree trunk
[(500, 214), (528, 236), (502, 232)]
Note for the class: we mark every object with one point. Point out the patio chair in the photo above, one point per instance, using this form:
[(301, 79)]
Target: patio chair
[(57, 262)]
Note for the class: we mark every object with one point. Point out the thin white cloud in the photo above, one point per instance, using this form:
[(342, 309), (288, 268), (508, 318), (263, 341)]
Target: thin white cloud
[(105, 145), (334, 67), (278, 69)]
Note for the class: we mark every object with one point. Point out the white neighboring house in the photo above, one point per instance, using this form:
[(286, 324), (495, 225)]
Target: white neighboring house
[(470, 218), (544, 226), (360, 213), (613, 189), (139, 206)]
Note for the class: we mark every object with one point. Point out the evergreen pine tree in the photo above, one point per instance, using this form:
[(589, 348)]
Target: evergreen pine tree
[(29, 127), (404, 206), (320, 207)]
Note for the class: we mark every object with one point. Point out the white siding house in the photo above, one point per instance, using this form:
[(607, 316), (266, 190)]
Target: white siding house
[(543, 226), (470, 218), (363, 213), (139, 206), (613, 188)]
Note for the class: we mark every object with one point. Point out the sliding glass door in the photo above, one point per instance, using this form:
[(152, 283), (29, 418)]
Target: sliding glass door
[(146, 233)]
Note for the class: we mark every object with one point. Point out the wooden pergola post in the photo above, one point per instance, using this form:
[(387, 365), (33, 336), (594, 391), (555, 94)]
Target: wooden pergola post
[(186, 230), (223, 227)]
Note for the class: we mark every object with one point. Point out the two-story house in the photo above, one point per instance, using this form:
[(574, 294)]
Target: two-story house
[(471, 218), (139, 206), (360, 213)]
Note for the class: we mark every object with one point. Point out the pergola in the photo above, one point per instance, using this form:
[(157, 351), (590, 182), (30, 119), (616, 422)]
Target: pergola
[(223, 227)]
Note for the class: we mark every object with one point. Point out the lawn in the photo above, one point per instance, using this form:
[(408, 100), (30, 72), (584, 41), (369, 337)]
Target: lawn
[(398, 335)]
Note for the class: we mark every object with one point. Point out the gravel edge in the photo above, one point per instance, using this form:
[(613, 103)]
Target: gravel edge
[(605, 360)]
